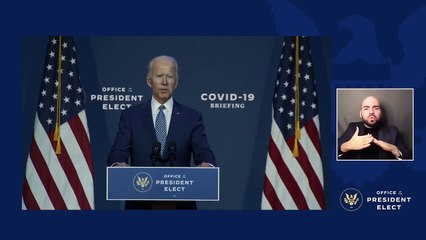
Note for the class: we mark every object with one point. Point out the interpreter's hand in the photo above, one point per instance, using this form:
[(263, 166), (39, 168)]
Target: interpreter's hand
[(357, 142), (119, 164), (387, 147), (204, 164)]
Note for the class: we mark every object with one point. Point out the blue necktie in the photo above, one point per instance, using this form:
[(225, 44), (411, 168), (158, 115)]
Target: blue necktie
[(160, 128)]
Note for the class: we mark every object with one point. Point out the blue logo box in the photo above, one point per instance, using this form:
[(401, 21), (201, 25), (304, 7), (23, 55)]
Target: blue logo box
[(163, 183)]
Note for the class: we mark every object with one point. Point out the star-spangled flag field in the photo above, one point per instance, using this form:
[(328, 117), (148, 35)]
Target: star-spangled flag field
[(293, 173), (59, 169)]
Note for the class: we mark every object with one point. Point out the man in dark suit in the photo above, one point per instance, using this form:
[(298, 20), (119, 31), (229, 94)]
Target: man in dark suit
[(161, 119), (370, 138)]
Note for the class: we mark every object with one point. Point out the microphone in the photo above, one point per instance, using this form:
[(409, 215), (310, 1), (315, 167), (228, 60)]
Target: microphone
[(155, 152), (171, 152)]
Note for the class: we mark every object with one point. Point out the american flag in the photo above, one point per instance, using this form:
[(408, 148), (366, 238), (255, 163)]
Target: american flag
[(293, 173), (59, 170)]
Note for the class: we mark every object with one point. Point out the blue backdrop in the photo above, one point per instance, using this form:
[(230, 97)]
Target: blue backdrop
[(372, 45)]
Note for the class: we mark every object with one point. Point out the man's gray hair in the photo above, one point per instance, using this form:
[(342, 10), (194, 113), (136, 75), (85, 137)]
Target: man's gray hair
[(163, 57)]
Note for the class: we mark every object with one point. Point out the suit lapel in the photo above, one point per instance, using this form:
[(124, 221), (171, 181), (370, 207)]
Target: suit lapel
[(380, 134), (147, 120), (361, 128), (175, 121)]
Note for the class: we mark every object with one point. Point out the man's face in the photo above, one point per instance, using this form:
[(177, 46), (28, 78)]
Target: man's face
[(162, 80), (371, 112)]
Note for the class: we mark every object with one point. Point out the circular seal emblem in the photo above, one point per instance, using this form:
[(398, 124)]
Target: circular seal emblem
[(142, 182), (351, 199)]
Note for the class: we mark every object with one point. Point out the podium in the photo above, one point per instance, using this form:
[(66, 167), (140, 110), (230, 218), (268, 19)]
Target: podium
[(163, 184)]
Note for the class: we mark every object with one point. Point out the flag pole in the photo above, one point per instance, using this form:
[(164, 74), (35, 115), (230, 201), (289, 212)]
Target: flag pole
[(296, 107), (57, 136)]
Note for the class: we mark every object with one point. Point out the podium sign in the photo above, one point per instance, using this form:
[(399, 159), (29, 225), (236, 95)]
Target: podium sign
[(163, 183)]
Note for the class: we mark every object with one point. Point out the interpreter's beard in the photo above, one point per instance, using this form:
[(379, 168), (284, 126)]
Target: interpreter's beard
[(371, 121)]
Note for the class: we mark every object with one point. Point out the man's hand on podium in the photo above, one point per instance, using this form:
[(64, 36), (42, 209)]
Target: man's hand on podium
[(119, 164), (204, 164)]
